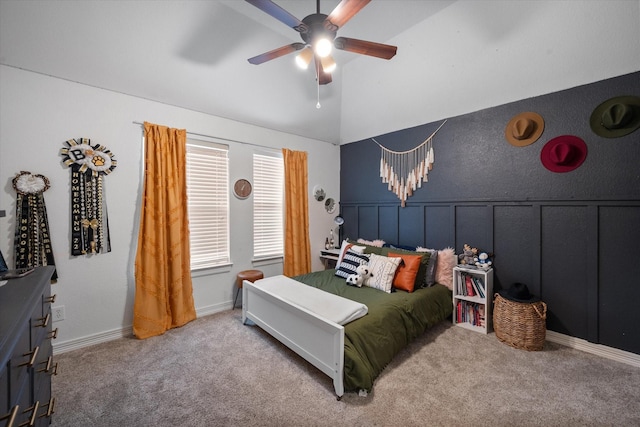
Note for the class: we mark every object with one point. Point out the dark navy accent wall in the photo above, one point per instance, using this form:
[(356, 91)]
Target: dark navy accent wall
[(571, 237)]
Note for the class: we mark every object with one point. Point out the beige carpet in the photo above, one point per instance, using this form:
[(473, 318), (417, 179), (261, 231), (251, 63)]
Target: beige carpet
[(217, 372)]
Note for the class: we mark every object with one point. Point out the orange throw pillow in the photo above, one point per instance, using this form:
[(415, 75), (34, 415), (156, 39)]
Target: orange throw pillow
[(406, 274)]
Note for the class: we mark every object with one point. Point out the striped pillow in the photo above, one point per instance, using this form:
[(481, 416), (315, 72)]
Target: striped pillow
[(350, 262)]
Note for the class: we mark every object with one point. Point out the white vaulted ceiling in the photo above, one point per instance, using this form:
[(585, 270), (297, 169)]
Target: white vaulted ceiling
[(453, 56)]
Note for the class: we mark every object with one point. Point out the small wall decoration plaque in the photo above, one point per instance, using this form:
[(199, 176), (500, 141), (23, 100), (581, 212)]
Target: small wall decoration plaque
[(89, 164)]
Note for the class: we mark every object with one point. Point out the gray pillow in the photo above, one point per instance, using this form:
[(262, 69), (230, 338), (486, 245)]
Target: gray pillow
[(430, 276)]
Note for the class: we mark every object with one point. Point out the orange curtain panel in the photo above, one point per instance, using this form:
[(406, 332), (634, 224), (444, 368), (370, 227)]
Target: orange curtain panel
[(164, 292), (297, 252)]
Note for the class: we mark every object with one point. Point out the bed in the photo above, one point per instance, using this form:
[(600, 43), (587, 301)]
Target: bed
[(353, 354)]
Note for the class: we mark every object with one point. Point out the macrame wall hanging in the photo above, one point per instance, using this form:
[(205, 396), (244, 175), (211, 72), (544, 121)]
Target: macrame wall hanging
[(404, 171), (32, 243), (89, 223)]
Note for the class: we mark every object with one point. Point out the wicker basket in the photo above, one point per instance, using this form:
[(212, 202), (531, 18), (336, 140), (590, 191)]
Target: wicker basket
[(520, 325)]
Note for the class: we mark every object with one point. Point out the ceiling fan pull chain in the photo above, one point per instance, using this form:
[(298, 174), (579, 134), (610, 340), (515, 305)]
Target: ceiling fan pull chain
[(318, 106)]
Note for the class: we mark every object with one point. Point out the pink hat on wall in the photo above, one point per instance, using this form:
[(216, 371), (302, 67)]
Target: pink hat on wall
[(563, 153)]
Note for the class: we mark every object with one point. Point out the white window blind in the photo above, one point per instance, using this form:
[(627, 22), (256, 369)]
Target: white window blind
[(268, 230), (208, 203)]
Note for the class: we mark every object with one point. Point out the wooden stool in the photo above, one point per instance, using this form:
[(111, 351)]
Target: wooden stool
[(250, 275)]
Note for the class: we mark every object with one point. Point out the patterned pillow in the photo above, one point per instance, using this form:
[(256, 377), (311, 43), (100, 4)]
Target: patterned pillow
[(343, 250), (350, 262), (383, 270)]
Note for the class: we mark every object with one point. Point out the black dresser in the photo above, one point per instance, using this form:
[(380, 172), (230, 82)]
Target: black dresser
[(26, 356)]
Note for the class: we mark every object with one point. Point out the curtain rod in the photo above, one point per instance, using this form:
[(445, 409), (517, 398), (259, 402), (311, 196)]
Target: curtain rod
[(220, 138)]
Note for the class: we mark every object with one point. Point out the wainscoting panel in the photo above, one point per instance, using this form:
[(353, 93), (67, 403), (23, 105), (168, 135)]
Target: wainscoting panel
[(388, 225), (439, 231), (369, 222), (474, 226), (516, 247), (577, 256), (619, 277), (412, 235), (564, 285)]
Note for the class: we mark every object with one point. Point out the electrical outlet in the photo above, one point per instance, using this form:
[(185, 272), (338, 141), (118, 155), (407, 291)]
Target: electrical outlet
[(57, 313)]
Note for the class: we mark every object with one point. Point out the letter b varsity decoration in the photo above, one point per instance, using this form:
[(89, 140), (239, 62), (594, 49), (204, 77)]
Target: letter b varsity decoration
[(89, 223)]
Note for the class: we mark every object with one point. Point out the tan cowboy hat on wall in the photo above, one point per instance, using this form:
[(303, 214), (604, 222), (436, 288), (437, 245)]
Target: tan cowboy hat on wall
[(616, 117), (524, 129)]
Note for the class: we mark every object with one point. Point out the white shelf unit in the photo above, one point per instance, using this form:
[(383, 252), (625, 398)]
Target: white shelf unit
[(472, 311)]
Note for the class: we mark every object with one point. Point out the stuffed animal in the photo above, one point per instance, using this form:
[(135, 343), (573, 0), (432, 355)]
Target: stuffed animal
[(483, 261), (468, 255), (365, 271), (355, 280)]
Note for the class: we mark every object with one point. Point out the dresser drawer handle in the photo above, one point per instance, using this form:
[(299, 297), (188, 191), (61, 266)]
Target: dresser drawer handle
[(44, 320), (48, 367), (48, 362), (50, 408), (32, 419), (11, 416), (53, 334), (50, 300), (32, 360)]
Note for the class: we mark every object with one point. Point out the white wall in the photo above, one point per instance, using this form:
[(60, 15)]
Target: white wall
[(479, 54), (38, 113)]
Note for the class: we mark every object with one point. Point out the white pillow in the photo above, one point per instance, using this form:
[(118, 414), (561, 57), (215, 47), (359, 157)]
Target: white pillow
[(343, 250), (383, 269)]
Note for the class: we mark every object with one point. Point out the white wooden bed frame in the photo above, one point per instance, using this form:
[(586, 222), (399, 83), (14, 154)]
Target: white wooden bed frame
[(317, 340)]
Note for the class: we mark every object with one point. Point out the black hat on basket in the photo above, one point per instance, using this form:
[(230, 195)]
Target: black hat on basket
[(518, 292)]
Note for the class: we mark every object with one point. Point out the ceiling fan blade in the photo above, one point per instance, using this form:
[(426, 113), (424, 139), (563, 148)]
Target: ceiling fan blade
[(276, 53), (323, 77), (280, 14), (343, 12), (363, 47)]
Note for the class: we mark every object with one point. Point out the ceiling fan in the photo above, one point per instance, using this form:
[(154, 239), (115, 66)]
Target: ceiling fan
[(318, 32)]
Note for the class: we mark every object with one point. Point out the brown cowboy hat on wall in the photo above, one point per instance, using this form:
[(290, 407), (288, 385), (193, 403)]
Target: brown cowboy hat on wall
[(524, 129), (563, 153), (616, 117)]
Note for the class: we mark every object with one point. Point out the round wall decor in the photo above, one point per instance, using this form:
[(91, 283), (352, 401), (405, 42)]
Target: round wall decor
[(242, 188), (330, 205)]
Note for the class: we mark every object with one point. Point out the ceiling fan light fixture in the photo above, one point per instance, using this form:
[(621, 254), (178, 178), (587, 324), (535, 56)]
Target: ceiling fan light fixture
[(323, 47), (328, 64), (303, 59)]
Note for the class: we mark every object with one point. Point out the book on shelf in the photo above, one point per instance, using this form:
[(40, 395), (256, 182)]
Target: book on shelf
[(479, 286), (472, 313), (469, 285)]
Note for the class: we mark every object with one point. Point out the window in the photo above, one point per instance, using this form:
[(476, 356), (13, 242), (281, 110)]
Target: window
[(268, 183), (208, 203)]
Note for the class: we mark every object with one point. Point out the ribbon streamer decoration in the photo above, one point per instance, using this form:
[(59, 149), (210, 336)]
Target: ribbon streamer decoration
[(89, 222), (405, 171), (32, 242)]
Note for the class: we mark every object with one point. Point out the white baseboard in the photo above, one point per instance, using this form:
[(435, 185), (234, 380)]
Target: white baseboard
[(597, 349), (127, 331)]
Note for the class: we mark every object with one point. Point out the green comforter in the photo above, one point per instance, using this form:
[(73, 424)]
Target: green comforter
[(393, 321)]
